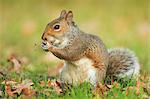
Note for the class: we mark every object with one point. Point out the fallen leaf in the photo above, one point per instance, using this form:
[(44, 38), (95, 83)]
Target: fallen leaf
[(58, 90), (25, 87), (101, 90), (16, 63), (28, 92), (138, 85), (129, 89), (9, 90), (42, 83), (49, 83), (56, 85)]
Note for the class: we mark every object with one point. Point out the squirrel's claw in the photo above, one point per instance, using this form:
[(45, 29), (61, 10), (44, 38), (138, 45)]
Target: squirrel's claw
[(45, 45)]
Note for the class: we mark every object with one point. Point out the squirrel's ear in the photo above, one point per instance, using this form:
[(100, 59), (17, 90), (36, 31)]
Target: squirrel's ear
[(63, 13), (69, 16)]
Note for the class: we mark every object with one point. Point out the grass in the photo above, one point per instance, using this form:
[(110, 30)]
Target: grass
[(119, 23), (84, 91)]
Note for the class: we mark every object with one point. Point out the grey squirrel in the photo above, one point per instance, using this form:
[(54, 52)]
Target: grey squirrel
[(86, 56)]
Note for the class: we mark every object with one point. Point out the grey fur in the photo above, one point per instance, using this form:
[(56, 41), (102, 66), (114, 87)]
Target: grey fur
[(122, 60)]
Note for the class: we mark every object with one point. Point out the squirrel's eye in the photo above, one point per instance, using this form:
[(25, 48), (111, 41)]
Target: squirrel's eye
[(57, 27)]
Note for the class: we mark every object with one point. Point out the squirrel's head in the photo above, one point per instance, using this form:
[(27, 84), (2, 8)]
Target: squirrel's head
[(56, 31)]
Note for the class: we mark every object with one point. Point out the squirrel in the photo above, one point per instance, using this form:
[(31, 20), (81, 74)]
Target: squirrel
[(86, 57)]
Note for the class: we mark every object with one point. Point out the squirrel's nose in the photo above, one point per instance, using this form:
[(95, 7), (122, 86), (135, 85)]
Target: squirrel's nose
[(43, 37)]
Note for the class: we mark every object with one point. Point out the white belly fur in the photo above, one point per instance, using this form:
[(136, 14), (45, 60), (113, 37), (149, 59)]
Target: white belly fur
[(78, 72)]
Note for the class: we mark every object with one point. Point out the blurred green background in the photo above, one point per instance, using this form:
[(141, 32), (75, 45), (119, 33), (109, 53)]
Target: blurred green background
[(119, 23)]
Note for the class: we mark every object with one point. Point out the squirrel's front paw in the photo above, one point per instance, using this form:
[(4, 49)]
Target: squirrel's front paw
[(46, 45)]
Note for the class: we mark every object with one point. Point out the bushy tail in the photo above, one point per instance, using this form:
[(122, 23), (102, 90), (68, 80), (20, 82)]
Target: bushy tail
[(122, 63)]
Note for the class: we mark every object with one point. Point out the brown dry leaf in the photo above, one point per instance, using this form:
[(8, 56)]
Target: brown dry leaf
[(9, 90), (28, 92), (101, 90), (58, 90), (56, 85), (130, 88), (12, 88), (8, 87), (143, 85), (49, 83), (146, 87), (138, 85), (16, 63), (145, 81), (42, 83), (53, 83)]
